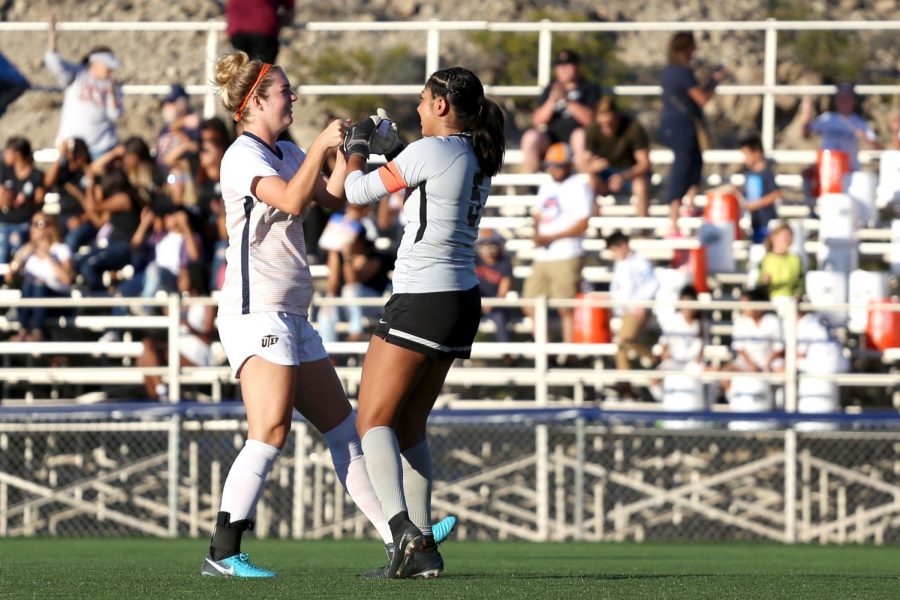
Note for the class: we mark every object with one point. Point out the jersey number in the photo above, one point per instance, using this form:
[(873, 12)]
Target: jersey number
[(475, 202)]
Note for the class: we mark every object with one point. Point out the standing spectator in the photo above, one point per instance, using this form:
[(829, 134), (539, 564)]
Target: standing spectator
[(757, 340), (841, 128), (178, 139), (21, 195), (495, 274), (93, 98), (781, 271), (760, 191), (69, 176), (116, 214), (253, 26), (45, 267), (564, 206), (565, 108), (682, 126), (633, 279), (617, 155)]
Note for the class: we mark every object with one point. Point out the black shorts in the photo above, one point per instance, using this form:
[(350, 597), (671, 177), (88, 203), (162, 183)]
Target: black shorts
[(436, 324)]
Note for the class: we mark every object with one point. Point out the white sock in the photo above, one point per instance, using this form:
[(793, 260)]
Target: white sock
[(350, 466), (382, 454), (246, 478), (417, 478)]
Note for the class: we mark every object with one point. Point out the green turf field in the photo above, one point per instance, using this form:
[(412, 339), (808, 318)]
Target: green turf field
[(150, 568)]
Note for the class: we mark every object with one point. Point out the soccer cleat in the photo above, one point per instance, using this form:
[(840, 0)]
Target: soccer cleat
[(443, 528), (381, 572), (407, 540), (426, 562), (238, 565)]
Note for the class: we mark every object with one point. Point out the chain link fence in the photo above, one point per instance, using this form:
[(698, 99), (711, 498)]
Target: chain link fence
[(560, 476)]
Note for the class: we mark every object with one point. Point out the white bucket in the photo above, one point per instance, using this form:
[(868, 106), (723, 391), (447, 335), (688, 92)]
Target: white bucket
[(817, 396), (828, 287), (838, 255), (718, 239), (865, 286), (862, 186), (837, 217)]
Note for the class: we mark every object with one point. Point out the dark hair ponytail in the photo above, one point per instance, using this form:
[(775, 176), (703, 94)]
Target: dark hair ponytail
[(475, 114)]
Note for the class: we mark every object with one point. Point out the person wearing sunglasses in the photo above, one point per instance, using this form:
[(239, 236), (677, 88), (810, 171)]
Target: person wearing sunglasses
[(43, 266)]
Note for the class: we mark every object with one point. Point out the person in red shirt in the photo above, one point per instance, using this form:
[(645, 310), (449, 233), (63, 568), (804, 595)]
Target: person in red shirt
[(253, 26)]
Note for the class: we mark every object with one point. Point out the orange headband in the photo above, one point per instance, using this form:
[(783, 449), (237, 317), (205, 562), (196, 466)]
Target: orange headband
[(262, 73)]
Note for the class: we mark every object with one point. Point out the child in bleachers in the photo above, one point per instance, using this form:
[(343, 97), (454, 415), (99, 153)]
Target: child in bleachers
[(44, 267), (760, 192), (495, 275), (757, 341), (69, 176), (684, 337), (781, 271)]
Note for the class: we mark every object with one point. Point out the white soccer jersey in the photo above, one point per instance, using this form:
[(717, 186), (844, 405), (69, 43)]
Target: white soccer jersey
[(437, 252), (267, 269)]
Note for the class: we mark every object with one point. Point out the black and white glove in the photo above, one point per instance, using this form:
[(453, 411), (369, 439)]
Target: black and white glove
[(357, 136), (385, 140)]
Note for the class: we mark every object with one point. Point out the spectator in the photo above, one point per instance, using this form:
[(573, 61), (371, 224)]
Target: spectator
[(683, 337), (93, 98), (133, 157), (211, 207), (564, 206), (565, 108), (760, 191), (355, 270), (69, 176), (841, 128), (757, 340), (617, 155), (44, 265), (682, 126), (253, 26), (633, 279), (215, 129), (495, 274), (818, 349), (180, 134), (21, 195), (781, 271), (116, 214), (195, 339)]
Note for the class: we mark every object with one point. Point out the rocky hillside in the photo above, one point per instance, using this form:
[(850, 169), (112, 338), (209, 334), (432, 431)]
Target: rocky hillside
[(178, 57)]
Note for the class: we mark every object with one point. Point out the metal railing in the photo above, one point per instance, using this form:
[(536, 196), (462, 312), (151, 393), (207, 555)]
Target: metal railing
[(432, 30)]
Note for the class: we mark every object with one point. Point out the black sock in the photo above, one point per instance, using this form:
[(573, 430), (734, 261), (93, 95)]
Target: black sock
[(226, 538)]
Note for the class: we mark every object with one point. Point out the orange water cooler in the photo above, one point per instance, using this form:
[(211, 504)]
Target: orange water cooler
[(722, 208), (831, 168), (696, 264), (591, 323), (883, 327)]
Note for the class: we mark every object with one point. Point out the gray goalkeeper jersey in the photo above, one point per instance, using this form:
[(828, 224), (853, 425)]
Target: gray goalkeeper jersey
[(437, 252)]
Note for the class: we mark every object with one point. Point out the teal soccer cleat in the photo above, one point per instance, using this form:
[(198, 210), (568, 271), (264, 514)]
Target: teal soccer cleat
[(238, 565), (443, 528)]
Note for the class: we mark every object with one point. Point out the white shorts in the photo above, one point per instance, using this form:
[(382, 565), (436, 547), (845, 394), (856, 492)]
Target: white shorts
[(279, 337)]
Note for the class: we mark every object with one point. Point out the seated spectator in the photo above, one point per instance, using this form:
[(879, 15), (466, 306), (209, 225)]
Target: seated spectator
[(179, 137), (617, 155), (93, 98), (840, 128), (195, 339), (494, 271), (69, 176), (781, 271), (818, 349), (633, 279), (133, 157), (21, 195), (116, 215), (683, 337), (44, 267), (760, 192), (210, 206), (561, 215), (355, 270), (757, 341), (565, 108)]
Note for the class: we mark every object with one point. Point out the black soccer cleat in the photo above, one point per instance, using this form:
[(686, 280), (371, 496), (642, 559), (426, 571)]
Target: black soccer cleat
[(408, 539), (426, 562), (381, 572)]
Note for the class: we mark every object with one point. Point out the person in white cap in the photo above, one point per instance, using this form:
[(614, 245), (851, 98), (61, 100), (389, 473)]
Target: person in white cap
[(93, 98)]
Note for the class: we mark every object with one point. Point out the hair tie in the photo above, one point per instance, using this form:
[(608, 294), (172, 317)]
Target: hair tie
[(262, 73)]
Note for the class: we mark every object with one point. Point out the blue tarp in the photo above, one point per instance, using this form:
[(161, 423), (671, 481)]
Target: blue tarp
[(12, 83)]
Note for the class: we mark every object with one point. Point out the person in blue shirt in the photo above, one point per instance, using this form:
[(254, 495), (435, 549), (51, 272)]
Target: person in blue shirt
[(760, 192)]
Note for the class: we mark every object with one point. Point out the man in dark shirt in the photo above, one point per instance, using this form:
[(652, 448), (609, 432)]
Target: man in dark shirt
[(565, 108), (617, 155), (253, 25)]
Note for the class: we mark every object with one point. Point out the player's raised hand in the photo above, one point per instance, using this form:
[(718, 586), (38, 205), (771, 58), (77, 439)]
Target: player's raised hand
[(385, 139), (334, 133)]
